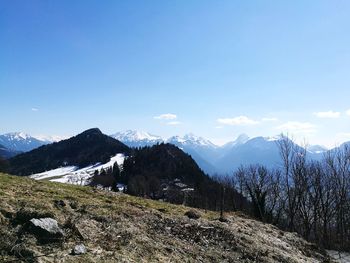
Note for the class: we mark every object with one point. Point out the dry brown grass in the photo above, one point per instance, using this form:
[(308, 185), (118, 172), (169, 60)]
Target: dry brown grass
[(120, 228)]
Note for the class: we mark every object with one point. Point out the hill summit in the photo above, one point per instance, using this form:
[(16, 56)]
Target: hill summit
[(88, 147)]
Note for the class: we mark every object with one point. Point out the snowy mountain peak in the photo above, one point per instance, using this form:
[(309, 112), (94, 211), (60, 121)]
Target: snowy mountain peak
[(50, 139), (243, 138), (133, 135), (191, 139), (133, 138), (17, 136), (20, 141), (198, 140), (317, 149)]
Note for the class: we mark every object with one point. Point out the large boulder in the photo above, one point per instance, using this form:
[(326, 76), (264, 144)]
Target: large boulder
[(46, 229)]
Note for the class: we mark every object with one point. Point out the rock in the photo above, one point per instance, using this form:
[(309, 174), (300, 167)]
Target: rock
[(79, 250), (59, 203), (192, 214), (46, 229)]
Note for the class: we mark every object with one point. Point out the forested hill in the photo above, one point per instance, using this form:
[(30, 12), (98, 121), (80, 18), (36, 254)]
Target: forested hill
[(164, 161), (88, 147), (165, 172)]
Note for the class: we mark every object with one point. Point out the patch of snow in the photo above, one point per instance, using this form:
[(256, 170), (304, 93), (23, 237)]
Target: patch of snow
[(74, 175), (273, 138), (119, 159), (121, 187), (17, 136), (54, 173), (20, 136), (81, 178)]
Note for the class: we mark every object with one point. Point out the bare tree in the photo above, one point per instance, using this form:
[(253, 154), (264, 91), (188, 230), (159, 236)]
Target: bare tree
[(287, 153)]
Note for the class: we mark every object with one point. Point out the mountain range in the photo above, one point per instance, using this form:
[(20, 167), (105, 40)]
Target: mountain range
[(211, 158), (137, 138), (214, 159), (21, 142)]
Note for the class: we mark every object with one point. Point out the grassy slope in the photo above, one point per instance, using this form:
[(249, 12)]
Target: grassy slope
[(120, 228)]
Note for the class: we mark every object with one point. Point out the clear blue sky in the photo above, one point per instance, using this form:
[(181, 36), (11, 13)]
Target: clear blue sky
[(222, 67)]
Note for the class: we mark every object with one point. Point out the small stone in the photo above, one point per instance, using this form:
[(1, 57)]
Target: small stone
[(79, 249)]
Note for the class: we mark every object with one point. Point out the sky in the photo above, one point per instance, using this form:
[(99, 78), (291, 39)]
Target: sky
[(213, 68)]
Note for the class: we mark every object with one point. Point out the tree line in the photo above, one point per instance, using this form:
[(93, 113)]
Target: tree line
[(304, 196), (150, 172)]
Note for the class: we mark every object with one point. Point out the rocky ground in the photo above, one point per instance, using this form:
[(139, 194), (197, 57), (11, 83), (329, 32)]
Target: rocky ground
[(52, 222)]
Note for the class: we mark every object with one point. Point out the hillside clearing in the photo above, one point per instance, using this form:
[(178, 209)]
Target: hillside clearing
[(116, 227)]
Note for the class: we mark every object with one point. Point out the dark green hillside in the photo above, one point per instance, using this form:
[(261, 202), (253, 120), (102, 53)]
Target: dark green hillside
[(164, 161), (150, 170)]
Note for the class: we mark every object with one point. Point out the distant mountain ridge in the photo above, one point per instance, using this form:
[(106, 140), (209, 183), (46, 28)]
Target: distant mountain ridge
[(7, 153), (214, 159), (211, 158), (134, 138), (18, 142)]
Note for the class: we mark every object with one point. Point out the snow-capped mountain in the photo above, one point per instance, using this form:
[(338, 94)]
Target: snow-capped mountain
[(258, 150), (20, 141), (134, 138), (317, 149), (23, 142), (191, 140), (217, 159), (50, 138), (203, 151), (241, 139), (221, 159)]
